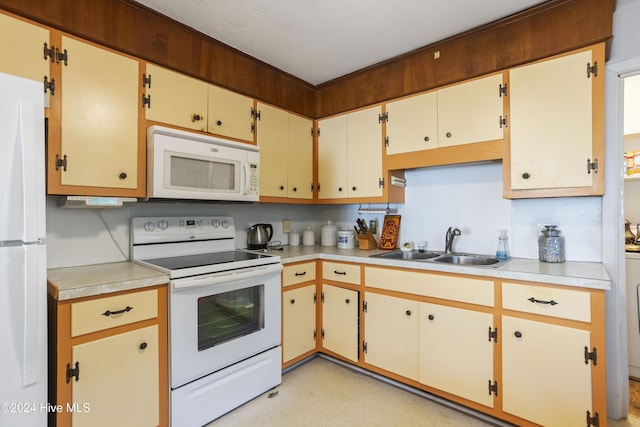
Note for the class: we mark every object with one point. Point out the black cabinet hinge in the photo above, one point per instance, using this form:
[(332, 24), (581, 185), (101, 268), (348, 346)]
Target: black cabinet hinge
[(593, 356), (493, 334), (49, 53), (593, 421), (315, 334), (386, 141), (49, 85), (253, 128), (503, 121), (384, 117), (322, 297), (592, 166), (380, 182), (592, 69), (364, 346), (62, 56), (315, 297), (364, 306), (146, 100), (493, 388), (75, 372), (146, 80), (61, 162), (502, 90), (257, 115), (322, 333)]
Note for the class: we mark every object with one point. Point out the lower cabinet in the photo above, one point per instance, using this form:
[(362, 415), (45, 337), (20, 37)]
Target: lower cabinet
[(340, 321), (544, 375), (298, 322), (457, 351), (391, 334), (108, 360)]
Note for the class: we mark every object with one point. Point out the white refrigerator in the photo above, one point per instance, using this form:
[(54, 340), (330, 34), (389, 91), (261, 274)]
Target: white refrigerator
[(23, 283)]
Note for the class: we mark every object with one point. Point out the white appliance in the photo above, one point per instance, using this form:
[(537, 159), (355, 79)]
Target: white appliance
[(224, 314), (23, 287), (189, 165)]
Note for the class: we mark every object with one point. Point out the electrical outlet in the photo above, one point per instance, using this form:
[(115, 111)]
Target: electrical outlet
[(286, 226)]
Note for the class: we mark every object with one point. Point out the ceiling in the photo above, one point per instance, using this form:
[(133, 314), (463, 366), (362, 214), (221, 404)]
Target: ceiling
[(320, 40)]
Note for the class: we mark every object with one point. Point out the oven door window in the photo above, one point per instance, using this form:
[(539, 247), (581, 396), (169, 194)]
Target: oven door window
[(229, 315), (204, 173)]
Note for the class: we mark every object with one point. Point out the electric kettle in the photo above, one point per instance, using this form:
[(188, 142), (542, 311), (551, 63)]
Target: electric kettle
[(259, 235)]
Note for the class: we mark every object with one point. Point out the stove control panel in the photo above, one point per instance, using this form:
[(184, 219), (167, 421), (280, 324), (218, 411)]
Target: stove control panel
[(173, 229)]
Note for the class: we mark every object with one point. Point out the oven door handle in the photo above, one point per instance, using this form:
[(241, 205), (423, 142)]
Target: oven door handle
[(224, 277)]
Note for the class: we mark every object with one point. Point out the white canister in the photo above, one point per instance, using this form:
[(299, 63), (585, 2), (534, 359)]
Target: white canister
[(328, 234), (308, 237), (346, 239), (294, 238)]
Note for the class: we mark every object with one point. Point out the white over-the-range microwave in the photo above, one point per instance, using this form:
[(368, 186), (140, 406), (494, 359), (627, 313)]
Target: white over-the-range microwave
[(188, 165)]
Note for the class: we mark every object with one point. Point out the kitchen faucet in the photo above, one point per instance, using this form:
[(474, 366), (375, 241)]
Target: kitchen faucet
[(451, 234)]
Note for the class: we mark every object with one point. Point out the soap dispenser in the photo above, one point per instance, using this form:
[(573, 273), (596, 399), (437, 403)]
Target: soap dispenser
[(503, 245)]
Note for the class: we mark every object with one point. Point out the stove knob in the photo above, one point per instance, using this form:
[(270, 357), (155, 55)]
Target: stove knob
[(163, 224), (216, 223), (225, 223), (149, 226)]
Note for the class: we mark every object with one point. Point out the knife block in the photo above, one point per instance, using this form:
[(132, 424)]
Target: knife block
[(367, 241)]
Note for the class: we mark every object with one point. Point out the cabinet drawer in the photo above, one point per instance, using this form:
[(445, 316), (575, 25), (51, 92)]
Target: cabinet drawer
[(347, 273), (454, 288), (298, 273), (547, 301), (109, 312)]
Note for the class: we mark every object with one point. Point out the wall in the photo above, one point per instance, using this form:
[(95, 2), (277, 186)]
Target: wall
[(465, 196)]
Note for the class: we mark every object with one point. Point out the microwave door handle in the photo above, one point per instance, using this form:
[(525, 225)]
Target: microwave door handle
[(245, 186)]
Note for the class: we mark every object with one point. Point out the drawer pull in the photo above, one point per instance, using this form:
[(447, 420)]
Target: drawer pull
[(408, 312), (124, 310), (293, 301), (143, 346), (533, 300), (301, 274), (347, 300), (518, 334), (343, 273)]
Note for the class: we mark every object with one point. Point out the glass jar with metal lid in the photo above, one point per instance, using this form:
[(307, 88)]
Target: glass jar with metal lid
[(551, 244)]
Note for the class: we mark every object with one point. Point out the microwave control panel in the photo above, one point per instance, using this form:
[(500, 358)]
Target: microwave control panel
[(254, 179)]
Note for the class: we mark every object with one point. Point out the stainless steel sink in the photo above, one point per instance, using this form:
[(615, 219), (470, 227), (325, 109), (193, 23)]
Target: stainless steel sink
[(445, 258), (413, 255), (466, 259)]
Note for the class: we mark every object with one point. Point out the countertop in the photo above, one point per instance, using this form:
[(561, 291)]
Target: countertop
[(591, 275), (89, 280)]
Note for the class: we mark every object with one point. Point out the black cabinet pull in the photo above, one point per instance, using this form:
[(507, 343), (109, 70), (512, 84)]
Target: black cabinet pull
[(538, 301), (347, 300), (339, 188), (293, 301), (196, 118), (143, 346), (431, 317), (426, 139), (295, 189), (282, 187), (122, 175), (408, 312), (526, 175), (124, 310), (343, 273), (518, 334), (301, 274), (448, 134), (219, 123), (354, 188)]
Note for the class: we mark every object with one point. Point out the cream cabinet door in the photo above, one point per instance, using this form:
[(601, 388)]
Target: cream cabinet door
[(391, 334), (22, 47), (364, 153), (300, 158), (544, 375), (272, 136), (412, 124), (332, 158), (340, 321), (456, 355), (298, 322), (118, 383), (99, 117), (551, 123), (470, 112), (229, 114), (176, 99)]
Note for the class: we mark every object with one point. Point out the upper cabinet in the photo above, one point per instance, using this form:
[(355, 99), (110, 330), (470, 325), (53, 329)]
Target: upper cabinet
[(286, 154), (175, 99), (95, 145), (460, 114), (183, 101), (24, 48), (557, 127), (350, 156)]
